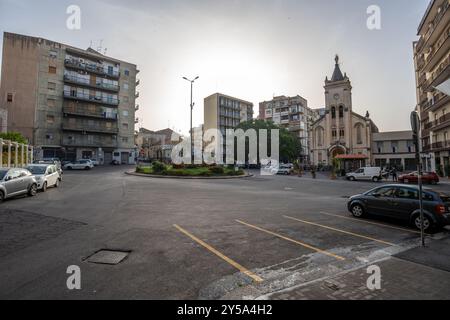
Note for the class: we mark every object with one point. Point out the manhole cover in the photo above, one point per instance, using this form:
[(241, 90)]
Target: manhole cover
[(108, 257)]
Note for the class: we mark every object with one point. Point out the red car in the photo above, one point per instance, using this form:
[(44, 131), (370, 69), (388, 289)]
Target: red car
[(427, 177)]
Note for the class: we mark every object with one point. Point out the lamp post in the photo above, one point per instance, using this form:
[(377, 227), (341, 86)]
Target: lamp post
[(192, 107), (415, 124)]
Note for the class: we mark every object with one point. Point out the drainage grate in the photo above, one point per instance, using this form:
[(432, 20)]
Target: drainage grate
[(104, 256)]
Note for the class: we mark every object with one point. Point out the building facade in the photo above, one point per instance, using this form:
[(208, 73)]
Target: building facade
[(3, 119), (432, 64), (69, 103), (156, 145), (224, 112), (293, 114), (341, 133), (394, 149)]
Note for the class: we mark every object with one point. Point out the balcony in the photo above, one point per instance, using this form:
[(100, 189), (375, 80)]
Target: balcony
[(86, 127), (434, 27), (84, 111), (86, 83), (136, 95), (92, 68), (437, 52), (136, 108), (79, 140), (90, 98), (439, 146), (138, 82)]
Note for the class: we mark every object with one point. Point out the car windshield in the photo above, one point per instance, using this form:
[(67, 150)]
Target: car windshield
[(2, 174), (37, 169)]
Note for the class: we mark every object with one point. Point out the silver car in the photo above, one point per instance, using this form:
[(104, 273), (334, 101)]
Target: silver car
[(46, 175), (15, 182)]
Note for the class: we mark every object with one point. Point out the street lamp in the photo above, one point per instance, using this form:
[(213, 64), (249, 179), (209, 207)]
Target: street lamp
[(192, 107)]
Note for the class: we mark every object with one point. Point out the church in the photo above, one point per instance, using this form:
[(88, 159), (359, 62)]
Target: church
[(341, 133)]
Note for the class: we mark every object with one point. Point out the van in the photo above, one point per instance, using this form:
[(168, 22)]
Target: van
[(365, 173)]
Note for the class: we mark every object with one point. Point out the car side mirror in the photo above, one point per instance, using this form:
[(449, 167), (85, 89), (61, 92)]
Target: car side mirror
[(7, 178)]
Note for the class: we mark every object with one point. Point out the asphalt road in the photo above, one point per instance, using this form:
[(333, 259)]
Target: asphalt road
[(187, 239)]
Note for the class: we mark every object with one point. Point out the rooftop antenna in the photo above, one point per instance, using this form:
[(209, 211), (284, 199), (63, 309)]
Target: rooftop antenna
[(100, 47), (90, 45), (104, 51)]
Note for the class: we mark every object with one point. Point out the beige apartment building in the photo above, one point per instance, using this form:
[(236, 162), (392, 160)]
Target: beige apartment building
[(156, 145), (69, 103), (341, 133), (432, 64), (394, 149), (293, 114), (225, 112)]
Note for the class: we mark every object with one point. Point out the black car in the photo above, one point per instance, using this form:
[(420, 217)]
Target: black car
[(402, 202)]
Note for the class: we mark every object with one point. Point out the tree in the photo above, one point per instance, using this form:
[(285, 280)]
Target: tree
[(14, 136), (290, 146)]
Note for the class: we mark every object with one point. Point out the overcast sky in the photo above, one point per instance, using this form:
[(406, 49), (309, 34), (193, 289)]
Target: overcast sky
[(251, 49)]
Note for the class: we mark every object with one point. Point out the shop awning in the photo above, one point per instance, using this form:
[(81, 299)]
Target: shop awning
[(352, 156)]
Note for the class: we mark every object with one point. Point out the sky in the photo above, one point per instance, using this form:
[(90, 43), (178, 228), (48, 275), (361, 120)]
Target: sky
[(249, 49)]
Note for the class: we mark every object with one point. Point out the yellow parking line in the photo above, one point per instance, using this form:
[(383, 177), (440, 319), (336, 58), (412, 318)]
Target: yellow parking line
[(339, 230), (220, 255), (292, 240), (370, 222)]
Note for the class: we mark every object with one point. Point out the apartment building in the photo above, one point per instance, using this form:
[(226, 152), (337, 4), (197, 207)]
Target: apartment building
[(156, 145), (225, 112), (293, 114), (394, 149), (69, 103), (432, 64), (3, 120)]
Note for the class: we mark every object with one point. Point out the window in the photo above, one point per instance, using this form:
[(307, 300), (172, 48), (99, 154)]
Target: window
[(127, 72), (342, 133), (125, 113), (52, 86), (50, 119), (125, 139), (52, 70), (51, 103), (385, 192), (333, 112), (126, 86), (406, 193), (334, 133), (125, 126), (126, 99), (359, 134), (9, 97), (394, 146), (341, 112), (49, 136), (53, 54)]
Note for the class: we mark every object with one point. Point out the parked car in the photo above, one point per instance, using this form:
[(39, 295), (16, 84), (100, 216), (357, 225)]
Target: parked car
[(54, 161), (47, 175), (94, 162), (365, 173), (15, 182), (282, 169), (402, 202), (413, 177), (79, 165)]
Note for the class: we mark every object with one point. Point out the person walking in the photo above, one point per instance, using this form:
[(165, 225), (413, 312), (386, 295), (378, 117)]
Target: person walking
[(394, 174)]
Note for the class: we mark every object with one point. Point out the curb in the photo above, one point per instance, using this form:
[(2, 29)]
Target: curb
[(132, 173)]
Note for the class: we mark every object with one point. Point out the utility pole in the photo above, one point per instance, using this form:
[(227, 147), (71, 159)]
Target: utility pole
[(192, 108), (415, 124)]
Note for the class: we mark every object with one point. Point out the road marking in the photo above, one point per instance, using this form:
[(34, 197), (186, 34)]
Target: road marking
[(292, 240), (220, 255), (342, 231), (370, 222)]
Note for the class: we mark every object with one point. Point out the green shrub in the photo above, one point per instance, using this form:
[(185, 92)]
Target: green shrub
[(217, 170), (159, 167)]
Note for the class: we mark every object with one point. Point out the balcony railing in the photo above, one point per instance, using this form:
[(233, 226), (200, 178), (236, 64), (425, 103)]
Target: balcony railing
[(84, 141), (83, 111), (424, 39), (86, 82), (91, 98), (94, 68), (85, 127)]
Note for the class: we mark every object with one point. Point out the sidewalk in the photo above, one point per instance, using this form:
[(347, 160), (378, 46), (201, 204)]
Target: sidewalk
[(417, 274)]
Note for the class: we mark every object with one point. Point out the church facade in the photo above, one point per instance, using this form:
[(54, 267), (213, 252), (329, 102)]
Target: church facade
[(341, 133)]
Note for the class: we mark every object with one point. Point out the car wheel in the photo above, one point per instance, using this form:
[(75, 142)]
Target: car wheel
[(375, 179), (357, 210), (69, 168), (2, 196), (33, 190), (57, 183), (352, 179), (427, 223), (44, 187)]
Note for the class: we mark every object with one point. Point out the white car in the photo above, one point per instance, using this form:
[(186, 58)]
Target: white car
[(282, 169), (79, 165), (46, 175), (94, 162), (365, 173)]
